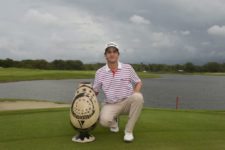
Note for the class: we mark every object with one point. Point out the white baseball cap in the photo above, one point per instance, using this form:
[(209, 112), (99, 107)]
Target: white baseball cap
[(112, 44)]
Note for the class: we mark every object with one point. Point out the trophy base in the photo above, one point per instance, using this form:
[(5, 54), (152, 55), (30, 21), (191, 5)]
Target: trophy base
[(83, 137)]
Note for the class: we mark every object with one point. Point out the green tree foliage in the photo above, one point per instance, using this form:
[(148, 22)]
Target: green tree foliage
[(79, 65), (189, 67), (28, 63), (214, 67), (6, 63)]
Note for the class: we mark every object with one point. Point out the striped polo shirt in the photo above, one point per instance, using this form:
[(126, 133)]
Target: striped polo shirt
[(118, 85)]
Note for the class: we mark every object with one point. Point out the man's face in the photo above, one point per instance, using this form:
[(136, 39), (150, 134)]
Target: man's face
[(112, 55)]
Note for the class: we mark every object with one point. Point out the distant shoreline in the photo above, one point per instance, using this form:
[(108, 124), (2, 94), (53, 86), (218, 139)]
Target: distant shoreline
[(19, 74)]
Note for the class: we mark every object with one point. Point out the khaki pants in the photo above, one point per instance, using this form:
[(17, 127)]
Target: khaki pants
[(131, 106)]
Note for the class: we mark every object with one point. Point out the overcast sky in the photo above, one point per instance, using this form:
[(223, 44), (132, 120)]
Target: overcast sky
[(148, 31)]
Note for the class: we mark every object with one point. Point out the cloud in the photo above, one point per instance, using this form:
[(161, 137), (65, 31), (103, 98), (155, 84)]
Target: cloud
[(186, 32), (162, 40), (197, 12), (139, 20), (58, 31), (36, 16), (205, 43), (217, 30), (66, 29)]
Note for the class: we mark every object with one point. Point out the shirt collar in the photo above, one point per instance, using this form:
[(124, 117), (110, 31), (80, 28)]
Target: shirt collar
[(119, 66)]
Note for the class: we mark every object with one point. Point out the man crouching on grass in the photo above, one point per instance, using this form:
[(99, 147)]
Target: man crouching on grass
[(121, 87)]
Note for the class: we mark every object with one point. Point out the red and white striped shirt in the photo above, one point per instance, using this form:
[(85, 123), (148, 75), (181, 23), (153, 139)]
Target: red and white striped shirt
[(118, 85)]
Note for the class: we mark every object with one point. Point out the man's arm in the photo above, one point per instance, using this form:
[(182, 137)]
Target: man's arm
[(137, 87), (136, 80), (97, 83)]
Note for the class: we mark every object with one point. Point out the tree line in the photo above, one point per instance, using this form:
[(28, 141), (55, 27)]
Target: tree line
[(79, 65), (57, 64)]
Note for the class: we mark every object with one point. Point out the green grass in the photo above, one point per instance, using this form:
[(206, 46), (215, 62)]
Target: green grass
[(16, 74), (157, 129)]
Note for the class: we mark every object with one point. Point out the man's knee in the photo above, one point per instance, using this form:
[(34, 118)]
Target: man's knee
[(138, 98), (104, 120)]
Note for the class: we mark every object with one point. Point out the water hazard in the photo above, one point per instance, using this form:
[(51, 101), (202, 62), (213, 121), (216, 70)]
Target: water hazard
[(194, 91)]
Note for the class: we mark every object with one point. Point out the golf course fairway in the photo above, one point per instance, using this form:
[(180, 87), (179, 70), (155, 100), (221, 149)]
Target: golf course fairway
[(18, 74), (157, 129)]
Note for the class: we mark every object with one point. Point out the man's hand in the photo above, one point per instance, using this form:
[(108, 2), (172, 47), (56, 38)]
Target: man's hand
[(137, 87), (96, 93)]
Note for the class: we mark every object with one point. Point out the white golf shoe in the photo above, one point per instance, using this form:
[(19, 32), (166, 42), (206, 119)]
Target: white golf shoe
[(115, 129), (128, 137)]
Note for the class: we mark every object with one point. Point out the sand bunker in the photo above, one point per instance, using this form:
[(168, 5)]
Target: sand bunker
[(17, 105)]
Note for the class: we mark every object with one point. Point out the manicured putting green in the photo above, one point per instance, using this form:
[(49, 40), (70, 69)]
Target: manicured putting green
[(157, 129)]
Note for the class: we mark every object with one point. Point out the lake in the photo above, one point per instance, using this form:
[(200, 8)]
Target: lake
[(194, 91)]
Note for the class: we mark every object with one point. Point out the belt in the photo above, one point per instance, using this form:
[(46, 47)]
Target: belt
[(114, 102)]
